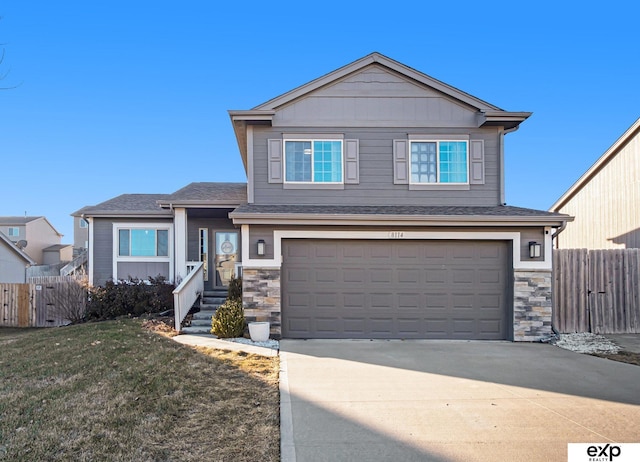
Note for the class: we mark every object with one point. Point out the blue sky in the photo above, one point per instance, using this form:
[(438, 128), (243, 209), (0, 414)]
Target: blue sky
[(121, 97)]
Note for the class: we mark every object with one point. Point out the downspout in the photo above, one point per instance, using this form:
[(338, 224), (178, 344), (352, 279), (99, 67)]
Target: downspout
[(558, 231), (502, 134)]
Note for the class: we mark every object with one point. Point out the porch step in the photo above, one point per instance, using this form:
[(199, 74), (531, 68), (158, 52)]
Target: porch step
[(202, 318), (214, 297), (197, 329)]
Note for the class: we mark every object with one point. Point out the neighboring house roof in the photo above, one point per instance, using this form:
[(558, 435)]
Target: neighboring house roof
[(393, 214), (8, 243), (22, 221), (597, 166), (56, 247), (127, 205), (487, 114), (205, 194)]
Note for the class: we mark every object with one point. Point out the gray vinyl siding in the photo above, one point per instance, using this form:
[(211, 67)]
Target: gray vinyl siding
[(103, 251), (376, 185), (527, 234), (12, 266), (143, 270), (376, 97)]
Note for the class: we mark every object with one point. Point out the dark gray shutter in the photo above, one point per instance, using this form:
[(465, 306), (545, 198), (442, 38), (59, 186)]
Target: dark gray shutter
[(400, 162), (351, 161), (476, 165), (274, 154)]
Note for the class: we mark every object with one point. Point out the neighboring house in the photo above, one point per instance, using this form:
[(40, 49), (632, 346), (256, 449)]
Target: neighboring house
[(374, 208), (32, 234), (80, 235), (13, 261), (605, 201)]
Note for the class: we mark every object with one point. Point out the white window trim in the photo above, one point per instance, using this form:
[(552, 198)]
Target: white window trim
[(312, 184), (513, 237), (437, 139), (117, 226), (10, 234), (82, 223)]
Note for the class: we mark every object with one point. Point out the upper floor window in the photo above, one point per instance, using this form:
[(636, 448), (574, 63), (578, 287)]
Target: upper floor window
[(83, 223), (14, 232), (439, 162), (313, 161), (140, 242)]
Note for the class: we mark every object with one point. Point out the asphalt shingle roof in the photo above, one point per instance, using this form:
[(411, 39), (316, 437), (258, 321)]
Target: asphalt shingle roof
[(128, 204), (497, 211), (215, 192)]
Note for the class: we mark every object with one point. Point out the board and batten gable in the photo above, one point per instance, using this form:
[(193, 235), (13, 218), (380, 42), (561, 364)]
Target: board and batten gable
[(605, 201), (375, 97)]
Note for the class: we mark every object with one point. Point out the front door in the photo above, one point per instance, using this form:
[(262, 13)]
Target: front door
[(226, 256)]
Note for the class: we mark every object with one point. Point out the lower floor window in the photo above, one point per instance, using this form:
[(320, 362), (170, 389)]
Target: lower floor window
[(139, 242)]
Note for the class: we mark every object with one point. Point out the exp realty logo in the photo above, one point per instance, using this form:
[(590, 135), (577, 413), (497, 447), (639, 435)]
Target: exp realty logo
[(603, 452)]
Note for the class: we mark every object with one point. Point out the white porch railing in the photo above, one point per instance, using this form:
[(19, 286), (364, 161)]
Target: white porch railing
[(187, 292)]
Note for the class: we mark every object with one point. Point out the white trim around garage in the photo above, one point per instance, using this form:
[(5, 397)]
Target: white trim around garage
[(279, 235)]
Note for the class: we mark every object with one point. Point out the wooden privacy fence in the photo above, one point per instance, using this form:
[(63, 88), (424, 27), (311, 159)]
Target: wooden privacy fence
[(596, 290), (46, 303)]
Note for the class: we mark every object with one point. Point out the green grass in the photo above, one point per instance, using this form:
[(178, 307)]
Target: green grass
[(115, 391)]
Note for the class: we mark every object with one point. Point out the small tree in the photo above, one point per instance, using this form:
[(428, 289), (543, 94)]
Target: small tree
[(228, 321), (235, 289)]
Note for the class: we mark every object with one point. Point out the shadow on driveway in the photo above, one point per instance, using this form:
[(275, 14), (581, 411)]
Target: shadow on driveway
[(450, 400)]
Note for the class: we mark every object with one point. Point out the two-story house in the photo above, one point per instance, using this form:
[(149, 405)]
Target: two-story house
[(37, 237), (374, 208)]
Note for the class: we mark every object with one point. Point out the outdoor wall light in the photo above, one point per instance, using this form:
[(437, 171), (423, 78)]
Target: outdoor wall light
[(261, 247), (534, 249)]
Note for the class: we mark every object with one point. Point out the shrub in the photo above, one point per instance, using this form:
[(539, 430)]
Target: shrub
[(235, 289), (228, 321), (130, 297)]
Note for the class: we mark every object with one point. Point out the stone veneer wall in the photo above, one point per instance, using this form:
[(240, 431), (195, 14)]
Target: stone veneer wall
[(261, 297), (532, 305)]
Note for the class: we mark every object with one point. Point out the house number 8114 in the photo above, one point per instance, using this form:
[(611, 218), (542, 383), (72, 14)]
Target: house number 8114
[(396, 234)]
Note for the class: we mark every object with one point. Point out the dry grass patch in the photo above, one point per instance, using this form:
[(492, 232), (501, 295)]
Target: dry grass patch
[(115, 391)]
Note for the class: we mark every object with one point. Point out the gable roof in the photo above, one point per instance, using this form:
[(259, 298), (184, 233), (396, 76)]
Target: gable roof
[(22, 221), (203, 194), (599, 164), (207, 194), (18, 221), (4, 240), (127, 205), (487, 114)]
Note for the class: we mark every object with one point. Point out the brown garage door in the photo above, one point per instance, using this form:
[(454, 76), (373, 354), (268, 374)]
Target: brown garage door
[(395, 289)]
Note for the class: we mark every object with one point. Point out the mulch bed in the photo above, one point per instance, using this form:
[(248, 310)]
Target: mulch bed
[(623, 357)]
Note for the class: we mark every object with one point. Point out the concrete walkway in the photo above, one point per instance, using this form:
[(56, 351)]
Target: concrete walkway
[(208, 340), (344, 400)]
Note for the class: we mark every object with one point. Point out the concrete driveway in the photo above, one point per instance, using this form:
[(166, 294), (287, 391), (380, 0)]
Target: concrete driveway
[(361, 400)]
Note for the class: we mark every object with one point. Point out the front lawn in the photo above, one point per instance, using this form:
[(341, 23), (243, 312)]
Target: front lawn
[(115, 391)]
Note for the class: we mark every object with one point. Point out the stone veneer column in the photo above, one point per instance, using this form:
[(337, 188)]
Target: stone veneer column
[(261, 297), (532, 305)]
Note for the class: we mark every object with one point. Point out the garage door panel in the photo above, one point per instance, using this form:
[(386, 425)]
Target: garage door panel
[(408, 275), (381, 300), (354, 326), (353, 275), (394, 289)]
